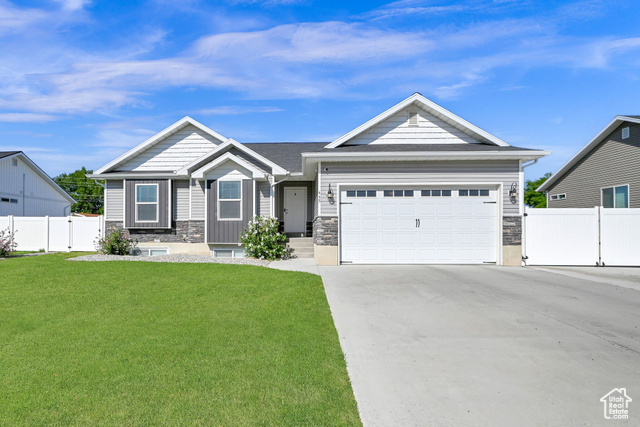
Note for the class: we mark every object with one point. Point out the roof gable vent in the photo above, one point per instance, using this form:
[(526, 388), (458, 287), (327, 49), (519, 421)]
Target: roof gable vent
[(625, 132), (14, 162), (413, 118)]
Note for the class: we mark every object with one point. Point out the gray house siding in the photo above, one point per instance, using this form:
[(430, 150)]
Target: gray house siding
[(376, 173), (114, 199), (164, 220), (227, 231), (263, 190), (613, 162)]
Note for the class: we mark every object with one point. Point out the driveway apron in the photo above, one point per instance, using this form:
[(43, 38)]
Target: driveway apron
[(484, 345)]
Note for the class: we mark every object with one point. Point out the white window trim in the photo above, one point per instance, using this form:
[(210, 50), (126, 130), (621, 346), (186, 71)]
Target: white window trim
[(157, 202), (625, 133), (556, 197), (228, 200), (614, 195), (417, 116)]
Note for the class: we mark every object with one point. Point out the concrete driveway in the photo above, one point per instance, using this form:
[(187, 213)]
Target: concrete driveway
[(484, 345)]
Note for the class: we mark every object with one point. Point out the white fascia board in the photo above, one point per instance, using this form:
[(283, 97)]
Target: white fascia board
[(430, 106), (199, 174), (157, 138), (275, 169), (433, 155), (42, 174), (129, 175), (586, 149)]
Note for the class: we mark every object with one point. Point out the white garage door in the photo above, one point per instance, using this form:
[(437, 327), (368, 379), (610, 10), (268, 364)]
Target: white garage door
[(424, 225)]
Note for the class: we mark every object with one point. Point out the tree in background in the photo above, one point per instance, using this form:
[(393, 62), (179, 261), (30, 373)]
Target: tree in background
[(87, 192), (533, 198)]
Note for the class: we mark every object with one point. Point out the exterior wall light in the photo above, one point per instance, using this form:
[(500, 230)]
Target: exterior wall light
[(513, 193)]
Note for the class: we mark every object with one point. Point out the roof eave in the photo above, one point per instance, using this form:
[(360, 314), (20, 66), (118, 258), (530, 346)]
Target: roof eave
[(585, 150)]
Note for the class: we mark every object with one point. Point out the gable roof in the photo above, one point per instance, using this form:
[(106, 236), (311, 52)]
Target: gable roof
[(4, 154), (287, 154), (228, 157), (617, 121), (433, 108), (157, 138), (42, 174), (276, 169)]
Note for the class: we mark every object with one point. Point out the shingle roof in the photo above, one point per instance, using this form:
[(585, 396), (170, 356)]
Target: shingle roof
[(286, 154), (8, 153)]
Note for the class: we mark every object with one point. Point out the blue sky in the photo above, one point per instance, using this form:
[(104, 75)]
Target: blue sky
[(83, 81)]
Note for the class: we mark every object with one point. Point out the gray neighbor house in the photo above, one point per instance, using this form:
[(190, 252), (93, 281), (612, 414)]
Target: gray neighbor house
[(414, 185), (604, 172)]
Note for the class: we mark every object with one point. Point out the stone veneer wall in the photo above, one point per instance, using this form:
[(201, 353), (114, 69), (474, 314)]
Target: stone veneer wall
[(511, 231), (325, 231), (181, 232)]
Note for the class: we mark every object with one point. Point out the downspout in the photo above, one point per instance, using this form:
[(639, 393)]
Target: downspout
[(524, 214)]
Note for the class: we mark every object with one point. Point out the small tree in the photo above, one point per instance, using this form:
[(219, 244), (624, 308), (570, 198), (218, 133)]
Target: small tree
[(116, 242), (262, 239), (533, 198), (7, 243)]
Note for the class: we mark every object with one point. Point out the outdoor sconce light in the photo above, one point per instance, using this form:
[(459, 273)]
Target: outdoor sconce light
[(513, 193), (330, 194)]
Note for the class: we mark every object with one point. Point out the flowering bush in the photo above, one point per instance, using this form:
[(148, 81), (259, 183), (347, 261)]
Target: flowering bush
[(7, 243), (262, 239), (116, 242)]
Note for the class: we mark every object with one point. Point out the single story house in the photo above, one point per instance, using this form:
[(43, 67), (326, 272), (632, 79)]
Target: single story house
[(26, 190), (415, 184), (604, 172)]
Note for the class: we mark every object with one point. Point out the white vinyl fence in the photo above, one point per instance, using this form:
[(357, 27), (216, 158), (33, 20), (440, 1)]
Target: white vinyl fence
[(591, 236), (54, 234)]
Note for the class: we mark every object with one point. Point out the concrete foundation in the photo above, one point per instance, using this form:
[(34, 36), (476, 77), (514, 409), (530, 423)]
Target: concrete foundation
[(325, 255), (512, 256), (180, 248)]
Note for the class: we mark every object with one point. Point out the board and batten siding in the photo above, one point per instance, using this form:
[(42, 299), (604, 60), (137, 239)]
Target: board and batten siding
[(427, 173), (396, 130), (114, 199), (180, 201), (175, 151), (39, 198), (614, 161), (227, 231), (164, 216)]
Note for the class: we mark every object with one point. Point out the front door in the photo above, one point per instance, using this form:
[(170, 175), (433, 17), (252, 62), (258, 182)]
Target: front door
[(295, 210)]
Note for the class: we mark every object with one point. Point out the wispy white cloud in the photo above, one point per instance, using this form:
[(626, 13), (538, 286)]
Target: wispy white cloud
[(13, 19), (27, 117), (73, 5), (235, 110), (304, 60)]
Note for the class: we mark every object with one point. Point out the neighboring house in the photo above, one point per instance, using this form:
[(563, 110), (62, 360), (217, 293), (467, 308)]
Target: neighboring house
[(604, 173), (416, 184), (25, 190)]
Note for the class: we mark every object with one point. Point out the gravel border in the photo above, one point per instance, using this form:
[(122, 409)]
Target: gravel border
[(191, 258)]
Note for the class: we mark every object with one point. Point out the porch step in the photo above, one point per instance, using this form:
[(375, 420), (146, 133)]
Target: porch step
[(302, 247)]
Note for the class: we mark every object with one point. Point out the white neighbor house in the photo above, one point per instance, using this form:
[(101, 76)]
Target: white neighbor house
[(25, 190)]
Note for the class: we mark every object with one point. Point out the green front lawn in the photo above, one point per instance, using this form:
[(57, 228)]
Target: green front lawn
[(136, 343)]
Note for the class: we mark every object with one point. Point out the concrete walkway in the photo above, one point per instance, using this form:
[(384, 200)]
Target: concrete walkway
[(484, 345)]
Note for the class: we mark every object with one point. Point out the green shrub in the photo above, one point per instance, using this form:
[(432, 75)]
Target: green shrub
[(7, 243), (116, 242), (262, 239)]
